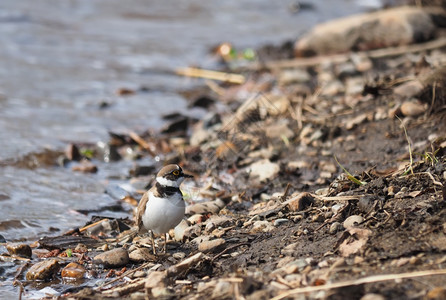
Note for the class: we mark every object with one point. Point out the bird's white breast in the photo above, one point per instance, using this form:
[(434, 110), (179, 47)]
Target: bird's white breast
[(163, 214)]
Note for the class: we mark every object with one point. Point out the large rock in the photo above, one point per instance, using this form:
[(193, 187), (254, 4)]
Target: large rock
[(388, 28)]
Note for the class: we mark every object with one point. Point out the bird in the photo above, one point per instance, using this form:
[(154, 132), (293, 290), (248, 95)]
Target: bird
[(162, 207)]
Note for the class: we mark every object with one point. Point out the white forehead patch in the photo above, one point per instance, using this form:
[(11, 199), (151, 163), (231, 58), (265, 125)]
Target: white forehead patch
[(167, 182)]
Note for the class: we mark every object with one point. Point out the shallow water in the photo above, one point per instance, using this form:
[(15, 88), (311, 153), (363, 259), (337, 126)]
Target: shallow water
[(61, 59)]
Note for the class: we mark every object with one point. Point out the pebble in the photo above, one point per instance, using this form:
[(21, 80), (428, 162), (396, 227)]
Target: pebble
[(264, 170), (335, 227), (262, 226), (408, 89), (81, 248), (113, 258), (219, 221), (372, 296), (279, 222), (290, 249), (139, 274), (179, 255), (251, 221), (212, 207), (353, 221), (162, 292), (318, 218), (19, 249), (43, 270), (300, 202), (297, 164), (210, 246), (192, 231), (195, 219), (179, 230), (414, 260), (141, 254), (293, 76), (73, 271), (155, 279), (412, 109)]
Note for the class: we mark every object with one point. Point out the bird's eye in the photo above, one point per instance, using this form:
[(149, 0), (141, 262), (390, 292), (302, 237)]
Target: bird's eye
[(176, 172)]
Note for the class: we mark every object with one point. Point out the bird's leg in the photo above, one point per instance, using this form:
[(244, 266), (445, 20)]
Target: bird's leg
[(153, 242), (165, 243)]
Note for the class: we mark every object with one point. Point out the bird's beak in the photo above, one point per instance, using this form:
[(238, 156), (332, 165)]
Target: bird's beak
[(187, 175)]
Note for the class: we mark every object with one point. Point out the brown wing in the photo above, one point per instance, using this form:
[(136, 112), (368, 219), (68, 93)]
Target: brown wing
[(140, 210)]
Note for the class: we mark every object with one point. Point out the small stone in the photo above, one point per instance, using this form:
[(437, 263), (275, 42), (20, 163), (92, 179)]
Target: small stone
[(212, 207), (155, 279), (139, 274), (81, 248), (113, 258), (179, 230), (290, 249), (287, 77), (19, 249), (297, 164), (279, 222), (408, 89), (162, 292), (335, 227), (179, 255), (220, 221), (210, 227), (195, 219), (358, 260), (199, 136), (372, 296), (318, 218), (43, 270), (103, 247), (210, 246), (73, 271), (192, 231), (255, 218), (412, 109), (264, 170), (262, 226), (141, 254), (353, 221), (414, 260), (300, 202)]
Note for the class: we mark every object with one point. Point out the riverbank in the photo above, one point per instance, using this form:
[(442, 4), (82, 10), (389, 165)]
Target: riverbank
[(315, 177)]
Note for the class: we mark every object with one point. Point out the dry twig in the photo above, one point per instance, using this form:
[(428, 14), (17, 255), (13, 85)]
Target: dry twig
[(208, 74)]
